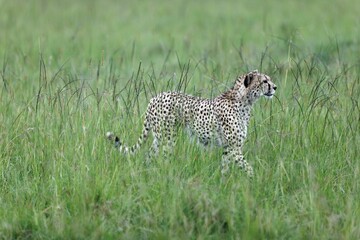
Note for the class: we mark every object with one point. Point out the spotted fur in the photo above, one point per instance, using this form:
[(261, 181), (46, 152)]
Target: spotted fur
[(222, 121)]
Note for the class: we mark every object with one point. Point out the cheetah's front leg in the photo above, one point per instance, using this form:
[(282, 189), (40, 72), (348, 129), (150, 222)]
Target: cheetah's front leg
[(239, 160), (242, 163), (225, 161)]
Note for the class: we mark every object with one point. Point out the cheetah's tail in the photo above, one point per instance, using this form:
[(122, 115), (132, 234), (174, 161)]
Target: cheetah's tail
[(126, 149)]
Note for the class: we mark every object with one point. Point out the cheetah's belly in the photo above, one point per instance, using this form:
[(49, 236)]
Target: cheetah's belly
[(206, 131)]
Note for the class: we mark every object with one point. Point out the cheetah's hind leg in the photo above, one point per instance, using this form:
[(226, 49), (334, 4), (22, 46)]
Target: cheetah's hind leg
[(153, 151)]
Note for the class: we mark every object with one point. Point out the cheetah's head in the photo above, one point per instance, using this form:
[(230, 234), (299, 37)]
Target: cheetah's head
[(257, 85)]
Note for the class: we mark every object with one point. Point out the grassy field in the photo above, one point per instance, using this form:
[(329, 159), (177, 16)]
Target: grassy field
[(72, 70)]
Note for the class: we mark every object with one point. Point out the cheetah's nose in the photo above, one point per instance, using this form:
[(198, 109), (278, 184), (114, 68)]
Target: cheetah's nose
[(274, 87)]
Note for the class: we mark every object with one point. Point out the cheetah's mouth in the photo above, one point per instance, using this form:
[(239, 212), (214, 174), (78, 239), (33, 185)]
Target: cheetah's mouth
[(269, 95)]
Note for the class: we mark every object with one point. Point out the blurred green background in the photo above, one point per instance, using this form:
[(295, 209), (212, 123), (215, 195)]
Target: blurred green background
[(80, 31)]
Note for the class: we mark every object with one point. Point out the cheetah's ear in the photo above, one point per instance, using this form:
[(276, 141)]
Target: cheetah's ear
[(248, 78)]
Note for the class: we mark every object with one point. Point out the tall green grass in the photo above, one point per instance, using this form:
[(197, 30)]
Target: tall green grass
[(70, 71)]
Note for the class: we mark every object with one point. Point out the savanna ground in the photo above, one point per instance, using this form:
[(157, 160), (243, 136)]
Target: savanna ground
[(72, 70)]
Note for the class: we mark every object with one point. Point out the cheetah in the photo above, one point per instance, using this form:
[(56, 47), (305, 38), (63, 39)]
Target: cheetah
[(222, 120)]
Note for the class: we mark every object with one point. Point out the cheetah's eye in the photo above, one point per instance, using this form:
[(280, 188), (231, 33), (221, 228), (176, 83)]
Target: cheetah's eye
[(265, 81)]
